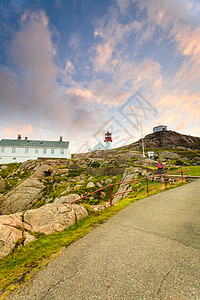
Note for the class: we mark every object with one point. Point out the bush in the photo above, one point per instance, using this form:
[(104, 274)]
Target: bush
[(179, 162), (94, 201), (95, 164)]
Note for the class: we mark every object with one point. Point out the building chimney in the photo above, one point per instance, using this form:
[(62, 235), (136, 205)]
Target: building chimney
[(61, 139), (26, 138), (19, 137)]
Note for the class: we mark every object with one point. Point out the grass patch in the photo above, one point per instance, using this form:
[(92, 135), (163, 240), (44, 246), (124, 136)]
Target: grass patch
[(189, 170), (10, 168), (20, 265), (193, 170)]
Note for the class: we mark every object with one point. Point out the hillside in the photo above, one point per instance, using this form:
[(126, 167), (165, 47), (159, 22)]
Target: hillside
[(167, 139)]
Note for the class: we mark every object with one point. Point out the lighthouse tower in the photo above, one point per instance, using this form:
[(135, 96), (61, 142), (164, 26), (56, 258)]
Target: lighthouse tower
[(108, 140)]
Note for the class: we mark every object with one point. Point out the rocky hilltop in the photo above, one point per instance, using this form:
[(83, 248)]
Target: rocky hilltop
[(167, 139)]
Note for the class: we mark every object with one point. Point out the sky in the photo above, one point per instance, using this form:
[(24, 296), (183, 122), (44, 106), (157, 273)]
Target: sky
[(77, 68)]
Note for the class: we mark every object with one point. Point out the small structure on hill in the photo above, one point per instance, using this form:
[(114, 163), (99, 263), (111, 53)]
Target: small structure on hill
[(150, 154), (22, 150), (160, 128)]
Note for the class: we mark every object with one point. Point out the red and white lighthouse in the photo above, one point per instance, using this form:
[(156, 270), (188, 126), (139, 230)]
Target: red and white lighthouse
[(108, 140)]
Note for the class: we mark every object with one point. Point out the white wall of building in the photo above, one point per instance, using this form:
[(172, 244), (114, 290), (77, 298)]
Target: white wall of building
[(99, 146), (108, 145), (21, 154), (160, 128)]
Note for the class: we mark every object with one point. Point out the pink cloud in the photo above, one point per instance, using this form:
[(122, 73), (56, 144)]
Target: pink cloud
[(12, 130), (180, 126)]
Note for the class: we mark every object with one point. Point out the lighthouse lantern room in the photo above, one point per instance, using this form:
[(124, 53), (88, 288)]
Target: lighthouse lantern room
[(108, 140)]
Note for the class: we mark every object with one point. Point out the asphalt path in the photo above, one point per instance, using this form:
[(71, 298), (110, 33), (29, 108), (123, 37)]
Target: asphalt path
[(149, 250)]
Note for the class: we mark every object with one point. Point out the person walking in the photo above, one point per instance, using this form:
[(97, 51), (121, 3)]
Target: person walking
[(160, 167)]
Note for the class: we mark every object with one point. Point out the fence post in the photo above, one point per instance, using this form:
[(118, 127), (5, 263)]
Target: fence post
[(147, 186), (110, 196), (165, 180), (181, 173)]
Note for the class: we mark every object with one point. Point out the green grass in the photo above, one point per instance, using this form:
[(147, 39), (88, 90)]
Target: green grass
[(20, 265), (193, 170), (10, 169), (189, 170), (19, 174)]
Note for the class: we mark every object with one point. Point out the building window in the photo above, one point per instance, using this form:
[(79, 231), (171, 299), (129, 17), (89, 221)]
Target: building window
[(14, 157), (36, 150), (26, 150), (44, 151), (2, 149), (61, 151), (13, 150), (52, 151)]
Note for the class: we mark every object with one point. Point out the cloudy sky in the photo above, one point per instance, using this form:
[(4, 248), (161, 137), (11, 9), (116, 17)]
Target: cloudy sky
[(76, 68)]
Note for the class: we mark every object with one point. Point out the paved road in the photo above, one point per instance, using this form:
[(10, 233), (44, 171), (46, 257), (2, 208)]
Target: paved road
[(150, 250)]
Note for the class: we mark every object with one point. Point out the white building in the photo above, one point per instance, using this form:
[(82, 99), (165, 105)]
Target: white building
[(21, 150), (150, 154), (99, 146), (160, 128)]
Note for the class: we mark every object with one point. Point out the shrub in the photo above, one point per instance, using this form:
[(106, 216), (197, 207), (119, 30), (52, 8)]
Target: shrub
[(179, 162), (95, 164)]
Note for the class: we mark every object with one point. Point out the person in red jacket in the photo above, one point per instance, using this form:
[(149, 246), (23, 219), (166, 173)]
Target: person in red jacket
[(159, 168)]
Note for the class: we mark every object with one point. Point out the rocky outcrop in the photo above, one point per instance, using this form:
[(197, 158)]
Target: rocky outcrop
[(167, 154), (53, 217), (80, 212), (2, 184), (21, 197), (50, 218), (128, 175), (11, 232), (9, 236), (67, 199), (43, 171), (167, 139)]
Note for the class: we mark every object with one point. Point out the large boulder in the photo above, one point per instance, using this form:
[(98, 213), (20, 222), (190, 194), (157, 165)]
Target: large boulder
[(43, 171), (11, 232), (2, 184), (9, 236), (21, 197), (47, 219), (53, 217), (80, 212), (14, 220), (67, 199)]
